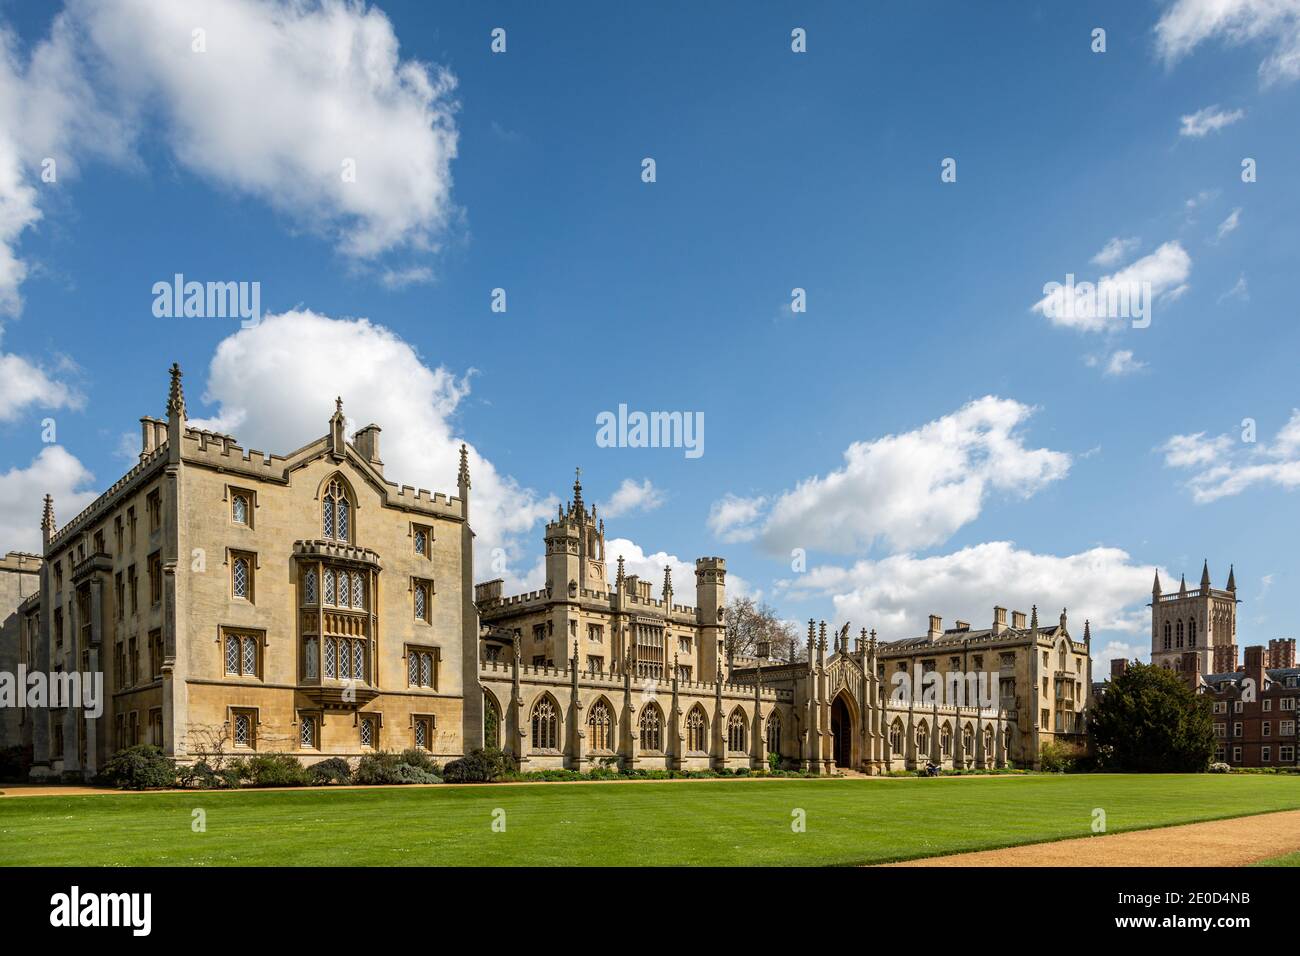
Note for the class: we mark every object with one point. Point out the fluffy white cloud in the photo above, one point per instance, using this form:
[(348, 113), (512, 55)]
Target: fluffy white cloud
[(1089, 308), (632, 496), (897, 594), (271, 393), (1122, 362), (1222, 467), (286, 99), (650, 567), (1116, 250), (22, 490), (733, 518), (913, 490), (304, 104), (1211, 119), (25, 384), (1188, 23)]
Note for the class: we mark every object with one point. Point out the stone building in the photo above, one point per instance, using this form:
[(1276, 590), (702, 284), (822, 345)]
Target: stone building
[(19, 588), (238, 600), (1197, 626), (585, 671)]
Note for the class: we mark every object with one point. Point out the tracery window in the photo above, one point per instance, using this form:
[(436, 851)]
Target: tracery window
[(239, 508), (896, 738), (545, 726), (241, 655), (945, 741), (774, 733), (651, 728), (923, 739), (421, 667), (736, 731), (696, 730), (345, 658), (336, 513), (968, 742), (243, 729), (599, 725)]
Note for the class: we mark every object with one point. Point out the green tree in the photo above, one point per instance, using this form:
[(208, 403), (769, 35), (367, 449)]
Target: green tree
[(1149, 720)]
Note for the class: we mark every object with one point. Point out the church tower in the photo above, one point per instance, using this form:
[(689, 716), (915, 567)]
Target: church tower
[(1200, 621), (575, 549)]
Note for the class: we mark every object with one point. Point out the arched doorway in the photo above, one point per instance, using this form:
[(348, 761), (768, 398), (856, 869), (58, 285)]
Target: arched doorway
[(842, 731)]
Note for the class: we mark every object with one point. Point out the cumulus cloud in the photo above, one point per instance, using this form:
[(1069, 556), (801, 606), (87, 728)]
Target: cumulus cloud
[(895, 595), (733, 518), (1120, 363), (22, 490), (632, 496), (267, 385), (1222, 466), (1116, 250), (1164, 271), (911, 490), (27, 384), (306, 105), (650, 567), (1211, 119), (1186, 24)]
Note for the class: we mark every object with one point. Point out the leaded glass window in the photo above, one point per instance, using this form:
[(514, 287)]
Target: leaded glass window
[(250, 656), (696, 730), (232, 654), (774, 734), (545, 726), (651, 728), (330, 669), (312, 662), (421, 734), (243, 730), (358, 590), (421, 541), (736, 731), (345, 660), (327, 518), (426, 670), (598, 727), (329, 587), (367, 732), (239, 509), (358, 660), (239, 579), (335, 512), (308, 737), (343, 518), (309, 586), (412, 667), (421, 602)]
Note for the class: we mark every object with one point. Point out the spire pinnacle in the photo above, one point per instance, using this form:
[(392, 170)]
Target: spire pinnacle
[(668, 581), (47, 515), (1155, 588), (462, 476), (176, 393), (1087, 631), (1205, 575), (1232, 578), (1182, 586), (1033, 620), (618, 580)]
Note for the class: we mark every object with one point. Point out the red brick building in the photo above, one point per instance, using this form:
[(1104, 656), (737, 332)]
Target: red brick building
[(1256, 707)]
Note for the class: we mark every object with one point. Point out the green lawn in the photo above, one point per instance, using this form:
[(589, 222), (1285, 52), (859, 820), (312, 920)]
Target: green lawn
[(686, 822), (1289, 859)]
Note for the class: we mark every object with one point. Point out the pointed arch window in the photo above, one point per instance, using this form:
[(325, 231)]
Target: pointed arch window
[(545, 726), (336, 512), (736, 731), (1191, 632), (1180, 635), (968, 742), (774, 734), (923, 738), (896, 738), (600, 726), (696, 731), (945, 741), (651, 728)]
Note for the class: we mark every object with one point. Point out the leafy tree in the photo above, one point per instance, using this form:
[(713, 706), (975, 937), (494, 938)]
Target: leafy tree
[(1149, 720), (749, 624)]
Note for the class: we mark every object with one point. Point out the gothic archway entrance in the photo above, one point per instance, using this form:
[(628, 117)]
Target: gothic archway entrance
[(842, 732)]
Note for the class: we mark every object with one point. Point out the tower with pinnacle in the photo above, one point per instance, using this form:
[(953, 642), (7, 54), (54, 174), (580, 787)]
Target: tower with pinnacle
[(1195, 627)]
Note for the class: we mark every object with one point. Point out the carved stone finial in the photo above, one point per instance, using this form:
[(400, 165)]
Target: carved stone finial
[(176, 393)]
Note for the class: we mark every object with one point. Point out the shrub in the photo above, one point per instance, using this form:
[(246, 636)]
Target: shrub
[(143, 767), (478, 766), (405, 773), (200, 776), (274, 770), (420, 760), (1219, 767), (333, 770), (378, 768), (1058, 758)]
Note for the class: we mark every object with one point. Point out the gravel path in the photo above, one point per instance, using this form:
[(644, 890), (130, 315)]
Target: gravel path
[(1233, 842)]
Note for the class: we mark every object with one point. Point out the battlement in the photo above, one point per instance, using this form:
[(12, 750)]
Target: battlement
[(137, 474), (21, 561), (614, 680)]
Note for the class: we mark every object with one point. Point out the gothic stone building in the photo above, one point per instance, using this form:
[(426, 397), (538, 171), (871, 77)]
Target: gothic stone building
[(584, 672), (299, 603)]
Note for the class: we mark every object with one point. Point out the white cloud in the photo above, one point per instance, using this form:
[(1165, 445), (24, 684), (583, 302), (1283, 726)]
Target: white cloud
[(286, 99), (912, 490), (1122, 362), (1211, 119), (1165, 271), (22, 490), (895, 595), (1239, 290), (272, 395), (632, 496), (401, 278), (1115, 250), (1222, 467), (650, 567), (1230, 224), (25, 384), (1188, 23), (733, 518)]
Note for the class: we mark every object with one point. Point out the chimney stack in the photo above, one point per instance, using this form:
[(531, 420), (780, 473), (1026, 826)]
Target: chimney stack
[(1255, 666), (936, 627), (999, 620), (1281, 652), (1018, 620), (366, 442), (1117, 667)]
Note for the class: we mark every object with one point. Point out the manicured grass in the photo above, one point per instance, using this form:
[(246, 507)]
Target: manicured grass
[(679, 823), (1289, 859)]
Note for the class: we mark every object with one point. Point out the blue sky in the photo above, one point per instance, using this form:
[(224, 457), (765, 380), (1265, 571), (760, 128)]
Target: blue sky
[(1063, 464)]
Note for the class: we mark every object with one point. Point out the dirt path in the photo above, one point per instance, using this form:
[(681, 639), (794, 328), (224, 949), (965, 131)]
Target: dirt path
[(1233, 842)]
